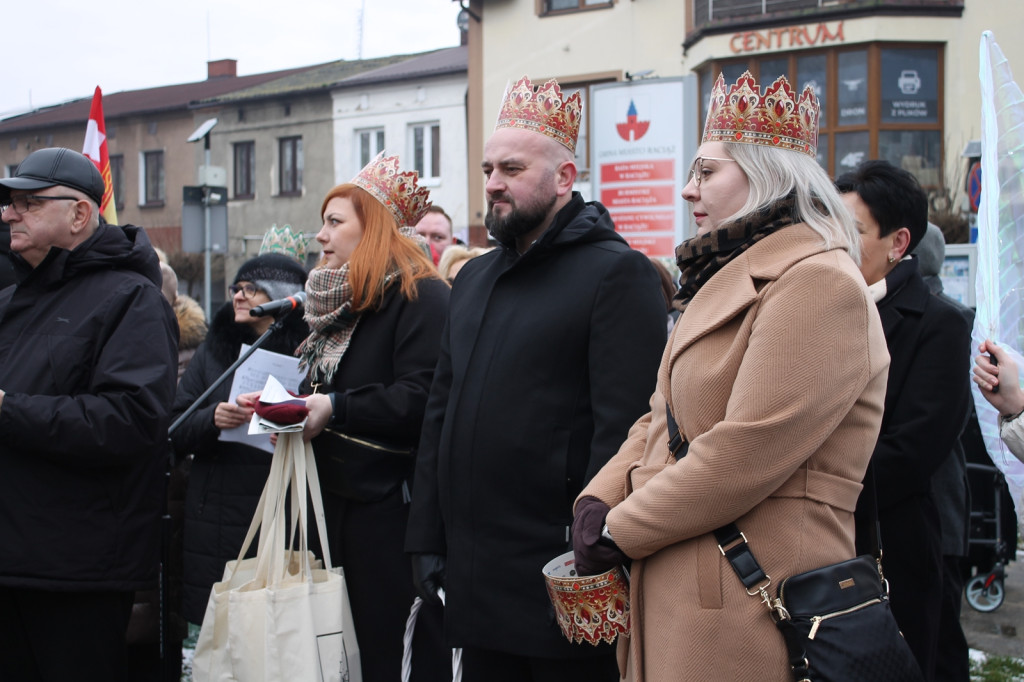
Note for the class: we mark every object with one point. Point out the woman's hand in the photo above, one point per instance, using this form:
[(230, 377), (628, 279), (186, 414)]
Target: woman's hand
[(248, 400), (228, 416), (320, 411), (1009, 400), (594, 554)]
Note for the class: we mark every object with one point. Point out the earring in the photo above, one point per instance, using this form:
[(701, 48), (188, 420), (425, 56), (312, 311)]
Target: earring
[(891, 259)]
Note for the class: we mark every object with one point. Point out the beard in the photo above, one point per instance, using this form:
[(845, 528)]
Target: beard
[(519, 221)]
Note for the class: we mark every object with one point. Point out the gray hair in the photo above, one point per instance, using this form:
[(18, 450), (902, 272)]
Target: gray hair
[(774, 173)]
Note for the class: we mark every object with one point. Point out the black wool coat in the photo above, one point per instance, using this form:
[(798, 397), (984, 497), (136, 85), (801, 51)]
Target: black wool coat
[(88, 362), (226, 477), (926, 404), (547, 359)]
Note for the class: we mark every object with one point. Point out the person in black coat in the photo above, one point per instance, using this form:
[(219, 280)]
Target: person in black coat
[(375, 306), (227, 477), (926, 401), (88, 351), (6, 266), (549, 355)]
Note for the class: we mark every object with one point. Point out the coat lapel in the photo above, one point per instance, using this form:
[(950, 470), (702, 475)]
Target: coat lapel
[(736, 286)]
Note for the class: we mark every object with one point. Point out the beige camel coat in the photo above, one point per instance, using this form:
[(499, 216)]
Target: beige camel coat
[(776, 375)]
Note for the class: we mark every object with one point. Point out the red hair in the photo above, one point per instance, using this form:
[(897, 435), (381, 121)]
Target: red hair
[(381, 250)]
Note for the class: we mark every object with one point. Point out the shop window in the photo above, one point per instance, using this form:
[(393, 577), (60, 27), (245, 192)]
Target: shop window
[(852, 88), (877, 101)]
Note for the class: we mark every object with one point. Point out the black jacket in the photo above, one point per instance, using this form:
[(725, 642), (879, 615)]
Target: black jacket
[(226, 477), (88, 357), (546, 361), (383, 379)]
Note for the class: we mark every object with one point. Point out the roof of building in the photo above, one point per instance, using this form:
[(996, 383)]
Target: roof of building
[(363, 72), (138, 102)]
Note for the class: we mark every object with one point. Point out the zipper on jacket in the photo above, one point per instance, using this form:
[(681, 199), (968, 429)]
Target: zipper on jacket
[(817, 620)]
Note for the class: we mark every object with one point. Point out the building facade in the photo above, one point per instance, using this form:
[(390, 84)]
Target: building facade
[(897, 79)]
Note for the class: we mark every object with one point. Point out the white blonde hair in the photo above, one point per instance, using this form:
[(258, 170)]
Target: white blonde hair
[(775, 173)]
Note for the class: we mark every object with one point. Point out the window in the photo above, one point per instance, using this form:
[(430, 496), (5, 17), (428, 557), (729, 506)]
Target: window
[(117, 179), (290, 157), (152, 178), (369, 143), (558, 6), (878, 101), (425, 139), (245, 170)]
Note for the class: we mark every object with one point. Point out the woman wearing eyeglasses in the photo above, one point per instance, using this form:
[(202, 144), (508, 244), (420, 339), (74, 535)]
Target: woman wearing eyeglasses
[(226, 477), (775, 374)]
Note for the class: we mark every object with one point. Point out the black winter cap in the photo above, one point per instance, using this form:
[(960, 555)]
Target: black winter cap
[(55, 166)]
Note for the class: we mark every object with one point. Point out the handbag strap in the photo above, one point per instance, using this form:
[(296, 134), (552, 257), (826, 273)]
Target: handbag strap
[(749, 571)]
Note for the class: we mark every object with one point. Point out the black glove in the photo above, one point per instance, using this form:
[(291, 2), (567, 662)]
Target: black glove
[(428, 575), (594, 554)]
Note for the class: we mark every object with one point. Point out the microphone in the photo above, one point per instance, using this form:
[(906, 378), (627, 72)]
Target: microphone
[(280, 306)]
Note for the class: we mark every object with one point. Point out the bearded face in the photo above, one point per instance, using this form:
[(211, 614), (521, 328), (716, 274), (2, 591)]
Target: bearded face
[(510, 219)]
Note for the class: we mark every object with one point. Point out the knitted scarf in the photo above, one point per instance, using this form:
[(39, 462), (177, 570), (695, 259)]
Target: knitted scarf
[(702, 256), (328, 312)]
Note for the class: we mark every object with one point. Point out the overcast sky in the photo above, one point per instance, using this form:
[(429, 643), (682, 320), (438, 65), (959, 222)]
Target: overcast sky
[(57, 50)]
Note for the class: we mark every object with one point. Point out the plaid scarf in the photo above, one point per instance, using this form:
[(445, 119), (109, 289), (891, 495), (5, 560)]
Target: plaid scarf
[(328, 312), (702, 256)]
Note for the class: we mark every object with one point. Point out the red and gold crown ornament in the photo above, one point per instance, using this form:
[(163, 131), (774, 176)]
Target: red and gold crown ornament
[(396, 190), (542, 110), (776, 118)]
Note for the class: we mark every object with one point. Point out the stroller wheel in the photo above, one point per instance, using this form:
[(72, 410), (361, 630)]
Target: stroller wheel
[(982, 598)]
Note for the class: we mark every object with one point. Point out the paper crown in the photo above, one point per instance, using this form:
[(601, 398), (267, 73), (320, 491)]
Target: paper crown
[(542, 111), (592, 608), (775, 119), (283, 240), (397, 191)]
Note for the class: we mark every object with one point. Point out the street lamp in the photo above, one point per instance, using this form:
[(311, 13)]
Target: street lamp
[(203, 133)]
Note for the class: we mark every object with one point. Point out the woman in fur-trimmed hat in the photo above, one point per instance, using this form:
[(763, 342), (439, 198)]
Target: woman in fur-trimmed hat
[(227, 477)]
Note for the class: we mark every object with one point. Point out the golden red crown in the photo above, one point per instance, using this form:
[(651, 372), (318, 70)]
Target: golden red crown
[(542, 110), (396, 190), (775, 119)]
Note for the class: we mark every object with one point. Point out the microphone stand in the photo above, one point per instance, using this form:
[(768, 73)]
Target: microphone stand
[(171, 667)]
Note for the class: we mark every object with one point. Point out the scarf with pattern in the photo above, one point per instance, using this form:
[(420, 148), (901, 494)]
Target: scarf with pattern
[(328, 312), (702, 256)]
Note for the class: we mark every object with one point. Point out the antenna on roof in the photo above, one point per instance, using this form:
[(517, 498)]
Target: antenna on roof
[(362, 18)]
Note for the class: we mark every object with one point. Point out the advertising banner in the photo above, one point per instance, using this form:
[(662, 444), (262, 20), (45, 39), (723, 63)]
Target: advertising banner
[(643, 135)]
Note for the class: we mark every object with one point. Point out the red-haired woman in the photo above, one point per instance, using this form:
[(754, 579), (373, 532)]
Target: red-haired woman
[(375, 307)]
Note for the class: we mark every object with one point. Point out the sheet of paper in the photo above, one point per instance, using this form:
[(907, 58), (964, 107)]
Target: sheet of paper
[(251, 376)]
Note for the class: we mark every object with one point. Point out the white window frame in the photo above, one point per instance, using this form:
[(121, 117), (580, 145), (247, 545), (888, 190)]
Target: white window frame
[(429, 174), (376, 139)]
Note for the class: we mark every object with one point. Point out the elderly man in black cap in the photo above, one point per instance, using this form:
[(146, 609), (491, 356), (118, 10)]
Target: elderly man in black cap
[(88, 364)]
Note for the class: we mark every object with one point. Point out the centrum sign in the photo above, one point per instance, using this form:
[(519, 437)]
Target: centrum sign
[(642, 138), (786, 37)]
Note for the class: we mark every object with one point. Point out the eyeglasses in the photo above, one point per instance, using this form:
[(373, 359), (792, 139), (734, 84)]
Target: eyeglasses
[(697, 169), (248, 290), (30, 202)]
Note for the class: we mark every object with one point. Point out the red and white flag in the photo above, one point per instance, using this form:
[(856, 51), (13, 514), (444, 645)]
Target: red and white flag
[(96, 150)]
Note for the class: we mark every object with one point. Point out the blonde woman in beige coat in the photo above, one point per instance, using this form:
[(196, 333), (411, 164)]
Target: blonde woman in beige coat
[(776, 375)]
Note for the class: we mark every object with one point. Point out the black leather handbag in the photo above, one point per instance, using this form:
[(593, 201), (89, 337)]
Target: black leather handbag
[(358, 468), (835, 620)]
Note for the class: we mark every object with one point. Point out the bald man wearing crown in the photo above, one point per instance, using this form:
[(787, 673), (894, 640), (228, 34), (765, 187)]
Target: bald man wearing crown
[(549, 355)]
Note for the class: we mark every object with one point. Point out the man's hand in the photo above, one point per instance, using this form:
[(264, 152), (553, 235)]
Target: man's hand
[(428, 575)]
